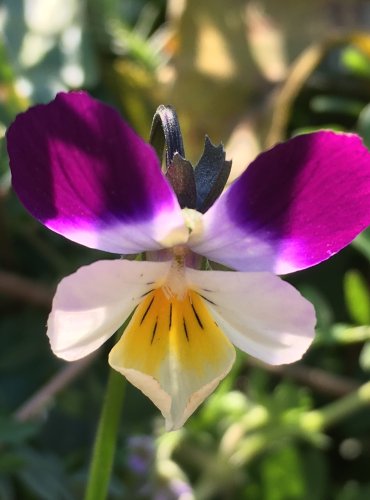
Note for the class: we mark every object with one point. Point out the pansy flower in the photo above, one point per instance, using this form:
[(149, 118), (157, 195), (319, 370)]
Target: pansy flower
[(83, 173)]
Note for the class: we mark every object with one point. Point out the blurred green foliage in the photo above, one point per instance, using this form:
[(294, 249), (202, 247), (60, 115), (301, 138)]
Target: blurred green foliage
[(272, 434)]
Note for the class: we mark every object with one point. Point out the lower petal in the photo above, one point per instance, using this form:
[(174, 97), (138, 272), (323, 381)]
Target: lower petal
[(261, 314), (91, 304), (174, 352)]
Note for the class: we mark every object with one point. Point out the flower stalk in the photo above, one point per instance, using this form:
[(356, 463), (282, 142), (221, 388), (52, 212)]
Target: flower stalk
[(106, 439), (318, 420)]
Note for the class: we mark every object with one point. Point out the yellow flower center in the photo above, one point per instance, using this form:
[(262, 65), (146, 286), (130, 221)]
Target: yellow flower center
[(182, 326)]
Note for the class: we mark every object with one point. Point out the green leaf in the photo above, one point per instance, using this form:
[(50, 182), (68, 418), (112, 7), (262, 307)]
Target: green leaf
[(335, 104), (343, 334), (364, 358), (314, 128), (363, 128), (324, 312), (6, 489), (10, 462), (357, 297), (282, 475), (13, 432), (316, 474), (43, 475), (356, 61), (352, 490)]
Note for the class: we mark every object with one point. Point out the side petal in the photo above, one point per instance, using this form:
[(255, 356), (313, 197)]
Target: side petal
[(261, 314), (84, 173), (295, 206), (173, 351), (91, 304)]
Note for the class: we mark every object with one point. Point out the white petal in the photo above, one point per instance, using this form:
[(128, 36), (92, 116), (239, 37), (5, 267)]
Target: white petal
[(91, 304), (261, 314), (164, 230), (173, 351)]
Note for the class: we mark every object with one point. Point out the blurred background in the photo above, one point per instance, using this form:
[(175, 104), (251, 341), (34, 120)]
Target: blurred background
[(248, 73)]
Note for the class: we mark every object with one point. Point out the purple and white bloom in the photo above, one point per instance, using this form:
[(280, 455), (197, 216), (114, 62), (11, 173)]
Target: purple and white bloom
[(82, 172)]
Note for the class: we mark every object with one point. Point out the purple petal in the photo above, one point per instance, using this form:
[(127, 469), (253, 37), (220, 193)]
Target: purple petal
[(80, 170), (295, 206)]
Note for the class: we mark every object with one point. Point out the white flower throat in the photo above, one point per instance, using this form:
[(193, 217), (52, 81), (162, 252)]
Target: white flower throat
[(175, 284)]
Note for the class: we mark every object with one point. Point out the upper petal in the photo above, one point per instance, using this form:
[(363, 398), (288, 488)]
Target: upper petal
[(84, 173), (91, 304), (295, 206), (260, 313)]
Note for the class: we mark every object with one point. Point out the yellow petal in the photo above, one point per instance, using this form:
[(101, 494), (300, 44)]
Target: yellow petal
[(174, 352)]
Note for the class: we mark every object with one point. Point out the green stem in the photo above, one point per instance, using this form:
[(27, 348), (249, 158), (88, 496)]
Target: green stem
[(106, 439), (320, 419)]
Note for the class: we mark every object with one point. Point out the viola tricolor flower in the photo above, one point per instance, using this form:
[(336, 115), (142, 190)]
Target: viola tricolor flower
[(83, 173)]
